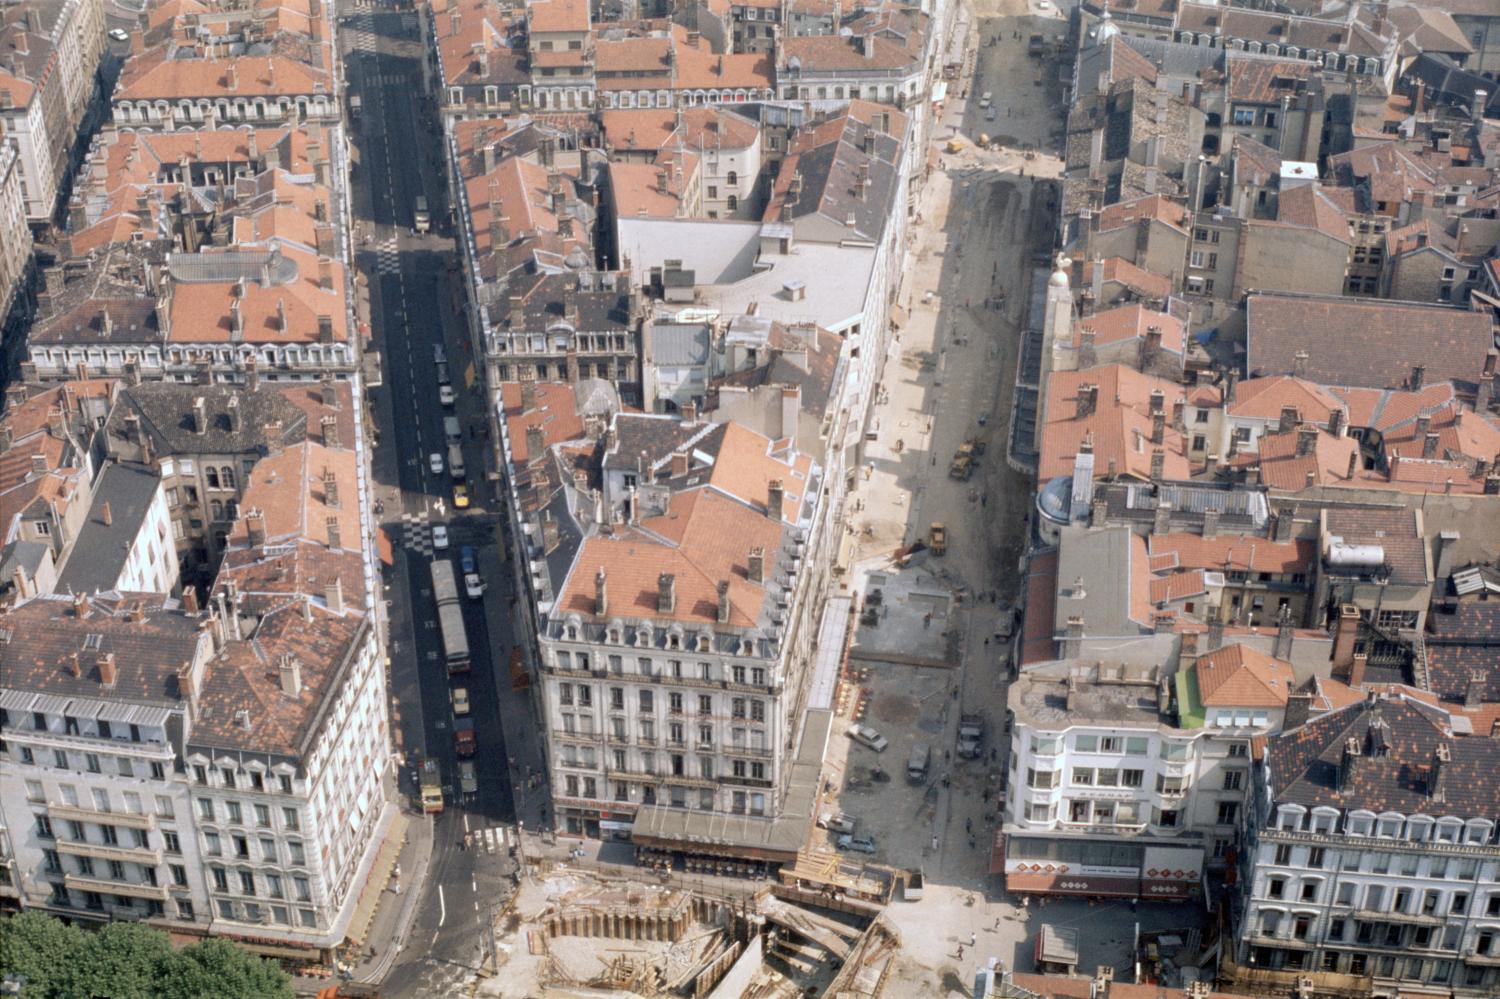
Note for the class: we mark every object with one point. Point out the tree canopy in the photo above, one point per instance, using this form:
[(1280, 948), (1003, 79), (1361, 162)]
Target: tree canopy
[(129, 961)]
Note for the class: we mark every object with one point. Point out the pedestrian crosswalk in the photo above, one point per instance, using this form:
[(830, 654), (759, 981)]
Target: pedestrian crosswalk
[(416, 533), (361, 28), (387, 257), (494, 839)]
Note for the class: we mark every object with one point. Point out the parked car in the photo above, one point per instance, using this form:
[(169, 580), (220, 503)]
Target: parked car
[(837, 822), (440, 536), (460, 700), (859, 844), (118, 35), (468, 559), (868, 737), (473, 585), (446, 395), (435, 462), (439, 356)]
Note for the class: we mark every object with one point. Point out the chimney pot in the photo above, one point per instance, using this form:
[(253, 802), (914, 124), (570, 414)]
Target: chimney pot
[(666, 593), (774, 499), (289, 670), (107, 671), (757, 565)]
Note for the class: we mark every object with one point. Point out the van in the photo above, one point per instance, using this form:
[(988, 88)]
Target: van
[(439, 355), (455, 461), (987, 99), (421, 218), (442, 373), (916, 764), (452, 430)]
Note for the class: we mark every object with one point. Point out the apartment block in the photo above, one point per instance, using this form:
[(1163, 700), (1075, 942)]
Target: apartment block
[(1371, 859)]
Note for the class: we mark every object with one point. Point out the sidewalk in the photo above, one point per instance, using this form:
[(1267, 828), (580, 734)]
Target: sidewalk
[(398, 903)]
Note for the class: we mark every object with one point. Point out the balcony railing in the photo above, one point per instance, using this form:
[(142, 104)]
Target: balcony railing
[(78, 813), (103, 887), (106, 851)]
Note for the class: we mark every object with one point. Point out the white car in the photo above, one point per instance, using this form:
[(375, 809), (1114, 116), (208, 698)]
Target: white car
[(473, 585), (446, 395), (118, 35), (460, 700), (867, 736), (435, 462), (440, 536)]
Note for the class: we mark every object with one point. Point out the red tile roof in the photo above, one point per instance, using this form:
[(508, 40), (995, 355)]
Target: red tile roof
[(1239, 676)]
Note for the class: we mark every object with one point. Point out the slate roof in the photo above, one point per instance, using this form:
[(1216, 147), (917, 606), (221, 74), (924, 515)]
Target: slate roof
[(39, 638), (679, 344), (1397, 740), (1463, 642), (1391, 338), (99, 552), (165, 410)]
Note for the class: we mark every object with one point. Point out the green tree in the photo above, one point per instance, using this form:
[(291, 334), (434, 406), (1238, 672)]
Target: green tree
[(121, 961), (40, 948), (130, 961), (217, 969)]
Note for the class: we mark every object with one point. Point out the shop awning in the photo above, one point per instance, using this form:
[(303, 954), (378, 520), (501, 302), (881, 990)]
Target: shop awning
[(380, 875), (384, 548)]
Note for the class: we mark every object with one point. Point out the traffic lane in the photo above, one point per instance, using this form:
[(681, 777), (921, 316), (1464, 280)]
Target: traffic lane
[(494, 798)]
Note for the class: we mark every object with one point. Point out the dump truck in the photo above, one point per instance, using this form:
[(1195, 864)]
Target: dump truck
[(970, 735), (937, 539), (464, 743), (963, 462), (432, 788)]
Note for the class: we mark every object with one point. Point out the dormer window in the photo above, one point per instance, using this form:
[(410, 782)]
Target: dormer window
[(705, 641), (643, 637)]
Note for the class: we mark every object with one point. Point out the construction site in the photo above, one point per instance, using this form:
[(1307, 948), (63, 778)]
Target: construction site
[(816, 932)]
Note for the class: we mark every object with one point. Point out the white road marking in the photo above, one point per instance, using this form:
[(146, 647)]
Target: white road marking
[(466, 822), (442, 909)]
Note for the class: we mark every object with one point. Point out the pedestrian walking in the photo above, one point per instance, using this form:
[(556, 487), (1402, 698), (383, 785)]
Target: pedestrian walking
[(934, 844), (972, 938), (968, 825)]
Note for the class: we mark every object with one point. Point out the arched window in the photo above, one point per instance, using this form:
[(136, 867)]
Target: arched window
[(227, 474), (211, 474), (734, 177)]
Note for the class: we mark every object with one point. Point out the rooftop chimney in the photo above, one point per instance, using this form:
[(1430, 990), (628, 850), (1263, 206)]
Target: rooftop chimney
[(105, 516), (1307, 439), (1346, 762), (1072, 645), (107, 673), (536, 442), (81, 606), (1298, 710), (1474, 690), (679, 464), (1337, 422), (757, 565), (774, 496), (255, 527), (1284, 635), (1438, 779), (335, 538), (1158, 464), (289, 670), (325, 273), (330, 426), (1158, 427), (1299, 364), (232, 409), (1088, 400), (1211, 522), (723, 614), (601, 593), (330, 489), (1430, 442), (1418, 375), (666, 593), (200, 415), (333, 595), (1288, 419)]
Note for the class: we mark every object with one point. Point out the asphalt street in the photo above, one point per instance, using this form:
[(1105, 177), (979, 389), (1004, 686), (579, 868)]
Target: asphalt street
[(411, 279)]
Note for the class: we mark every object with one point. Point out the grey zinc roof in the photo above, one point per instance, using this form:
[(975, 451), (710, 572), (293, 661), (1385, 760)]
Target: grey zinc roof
[(679, 344), (1101, 561), (98, 554)]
